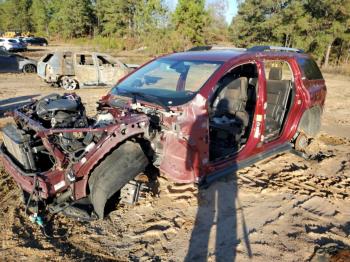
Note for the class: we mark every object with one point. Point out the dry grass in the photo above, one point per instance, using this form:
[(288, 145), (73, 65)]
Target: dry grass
[(338, 70)]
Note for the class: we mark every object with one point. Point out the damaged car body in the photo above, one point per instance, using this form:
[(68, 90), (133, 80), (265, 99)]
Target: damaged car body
[(77, 70), (195, 116)]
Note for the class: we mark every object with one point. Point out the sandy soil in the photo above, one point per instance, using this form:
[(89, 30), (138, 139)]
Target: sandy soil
[(282, 209)]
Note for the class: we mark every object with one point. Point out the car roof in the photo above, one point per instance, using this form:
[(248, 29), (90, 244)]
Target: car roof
[(225, 55), (210, 55)]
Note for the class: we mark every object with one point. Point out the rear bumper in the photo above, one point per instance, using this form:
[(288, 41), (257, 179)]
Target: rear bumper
[(24, 180)]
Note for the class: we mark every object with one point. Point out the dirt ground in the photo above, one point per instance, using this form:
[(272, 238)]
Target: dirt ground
[(281, 209)]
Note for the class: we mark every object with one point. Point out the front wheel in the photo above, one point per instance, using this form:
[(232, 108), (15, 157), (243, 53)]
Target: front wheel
[(114, 172), (69, 83)]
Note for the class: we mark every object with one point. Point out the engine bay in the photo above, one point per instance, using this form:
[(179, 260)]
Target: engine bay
[(57, 128)]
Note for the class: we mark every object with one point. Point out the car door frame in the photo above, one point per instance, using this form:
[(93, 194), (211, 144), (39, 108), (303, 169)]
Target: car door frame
[(187, 151), (254, 143), (113, 70), (79, 70), (294, 114)]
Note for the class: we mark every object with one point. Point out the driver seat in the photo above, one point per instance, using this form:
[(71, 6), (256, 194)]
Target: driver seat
[(230, 108)]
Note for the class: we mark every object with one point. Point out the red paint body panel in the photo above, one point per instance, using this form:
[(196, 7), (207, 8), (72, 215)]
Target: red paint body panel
[(185, 141)]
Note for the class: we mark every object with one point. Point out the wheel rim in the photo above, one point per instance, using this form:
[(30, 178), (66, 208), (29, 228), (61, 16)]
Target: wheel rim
[(29, 69), (69, 84), (301, 142)]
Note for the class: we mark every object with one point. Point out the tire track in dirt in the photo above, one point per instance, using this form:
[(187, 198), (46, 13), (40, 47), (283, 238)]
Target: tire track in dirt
[(316, 177), (279, 199)]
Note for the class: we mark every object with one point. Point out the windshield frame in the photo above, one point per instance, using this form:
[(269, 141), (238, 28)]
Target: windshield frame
[(220, 64)]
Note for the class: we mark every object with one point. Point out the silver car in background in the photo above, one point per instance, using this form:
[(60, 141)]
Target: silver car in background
[(13, 45)]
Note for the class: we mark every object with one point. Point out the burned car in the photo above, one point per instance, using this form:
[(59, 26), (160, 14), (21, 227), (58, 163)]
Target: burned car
[(77, 70), (195, 116)]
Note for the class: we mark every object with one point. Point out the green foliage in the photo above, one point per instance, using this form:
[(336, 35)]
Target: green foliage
[(71, 18), (120, 24), (190, 20), (40, 16), (129, 18), (216, 31), (314, 25), (115, 16), (14, 15)]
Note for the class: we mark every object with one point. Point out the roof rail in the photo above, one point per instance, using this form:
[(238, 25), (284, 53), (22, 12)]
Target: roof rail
[(199, 48), (214, 47), (263, 48)]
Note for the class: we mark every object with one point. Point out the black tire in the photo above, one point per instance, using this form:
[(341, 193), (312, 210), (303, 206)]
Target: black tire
[(29, 69), (115, 171)]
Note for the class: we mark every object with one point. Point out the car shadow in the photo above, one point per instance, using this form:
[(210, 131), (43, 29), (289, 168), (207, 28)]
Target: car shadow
[(35, 49), (11, 104), (219, 216)]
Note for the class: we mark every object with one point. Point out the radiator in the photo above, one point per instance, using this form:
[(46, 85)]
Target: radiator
[(18, 147)]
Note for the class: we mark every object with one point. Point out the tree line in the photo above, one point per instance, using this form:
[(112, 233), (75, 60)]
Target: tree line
[(321, 27), (147, 22)]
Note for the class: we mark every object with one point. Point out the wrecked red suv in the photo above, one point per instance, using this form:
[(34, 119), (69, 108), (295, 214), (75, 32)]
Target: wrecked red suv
[(194, 116)]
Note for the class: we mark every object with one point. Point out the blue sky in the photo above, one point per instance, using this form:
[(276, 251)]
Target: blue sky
[(231, 11)]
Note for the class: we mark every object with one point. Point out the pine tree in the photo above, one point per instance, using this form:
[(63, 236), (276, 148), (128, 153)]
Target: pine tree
[(314, 25), (330, 22), (40, 14), (72, 18), (190, 19), (217, 30), (15, 15)]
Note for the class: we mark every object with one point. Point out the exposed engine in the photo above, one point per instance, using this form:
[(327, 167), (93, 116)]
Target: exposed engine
[(53, 112), (61, 111), (54, 135)]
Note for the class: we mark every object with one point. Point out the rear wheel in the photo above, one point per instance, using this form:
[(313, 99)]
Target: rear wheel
[(115, 171), (301, 142), (29, 69), (69, 83)]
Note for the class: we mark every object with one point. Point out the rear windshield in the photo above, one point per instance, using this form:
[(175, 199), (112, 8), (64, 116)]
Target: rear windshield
[(310, 68)]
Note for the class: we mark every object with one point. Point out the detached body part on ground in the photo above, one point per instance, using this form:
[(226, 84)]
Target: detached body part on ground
[(195, 116)]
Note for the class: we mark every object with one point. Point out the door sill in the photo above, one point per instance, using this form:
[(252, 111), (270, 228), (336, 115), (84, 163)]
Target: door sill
[(211, 177)]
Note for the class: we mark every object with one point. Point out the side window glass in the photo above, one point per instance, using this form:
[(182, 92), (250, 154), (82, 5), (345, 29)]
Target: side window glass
[(309, 68)]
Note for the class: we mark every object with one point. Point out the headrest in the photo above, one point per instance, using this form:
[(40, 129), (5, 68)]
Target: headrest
[(238, 86), (239, 83), (275, 73)]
